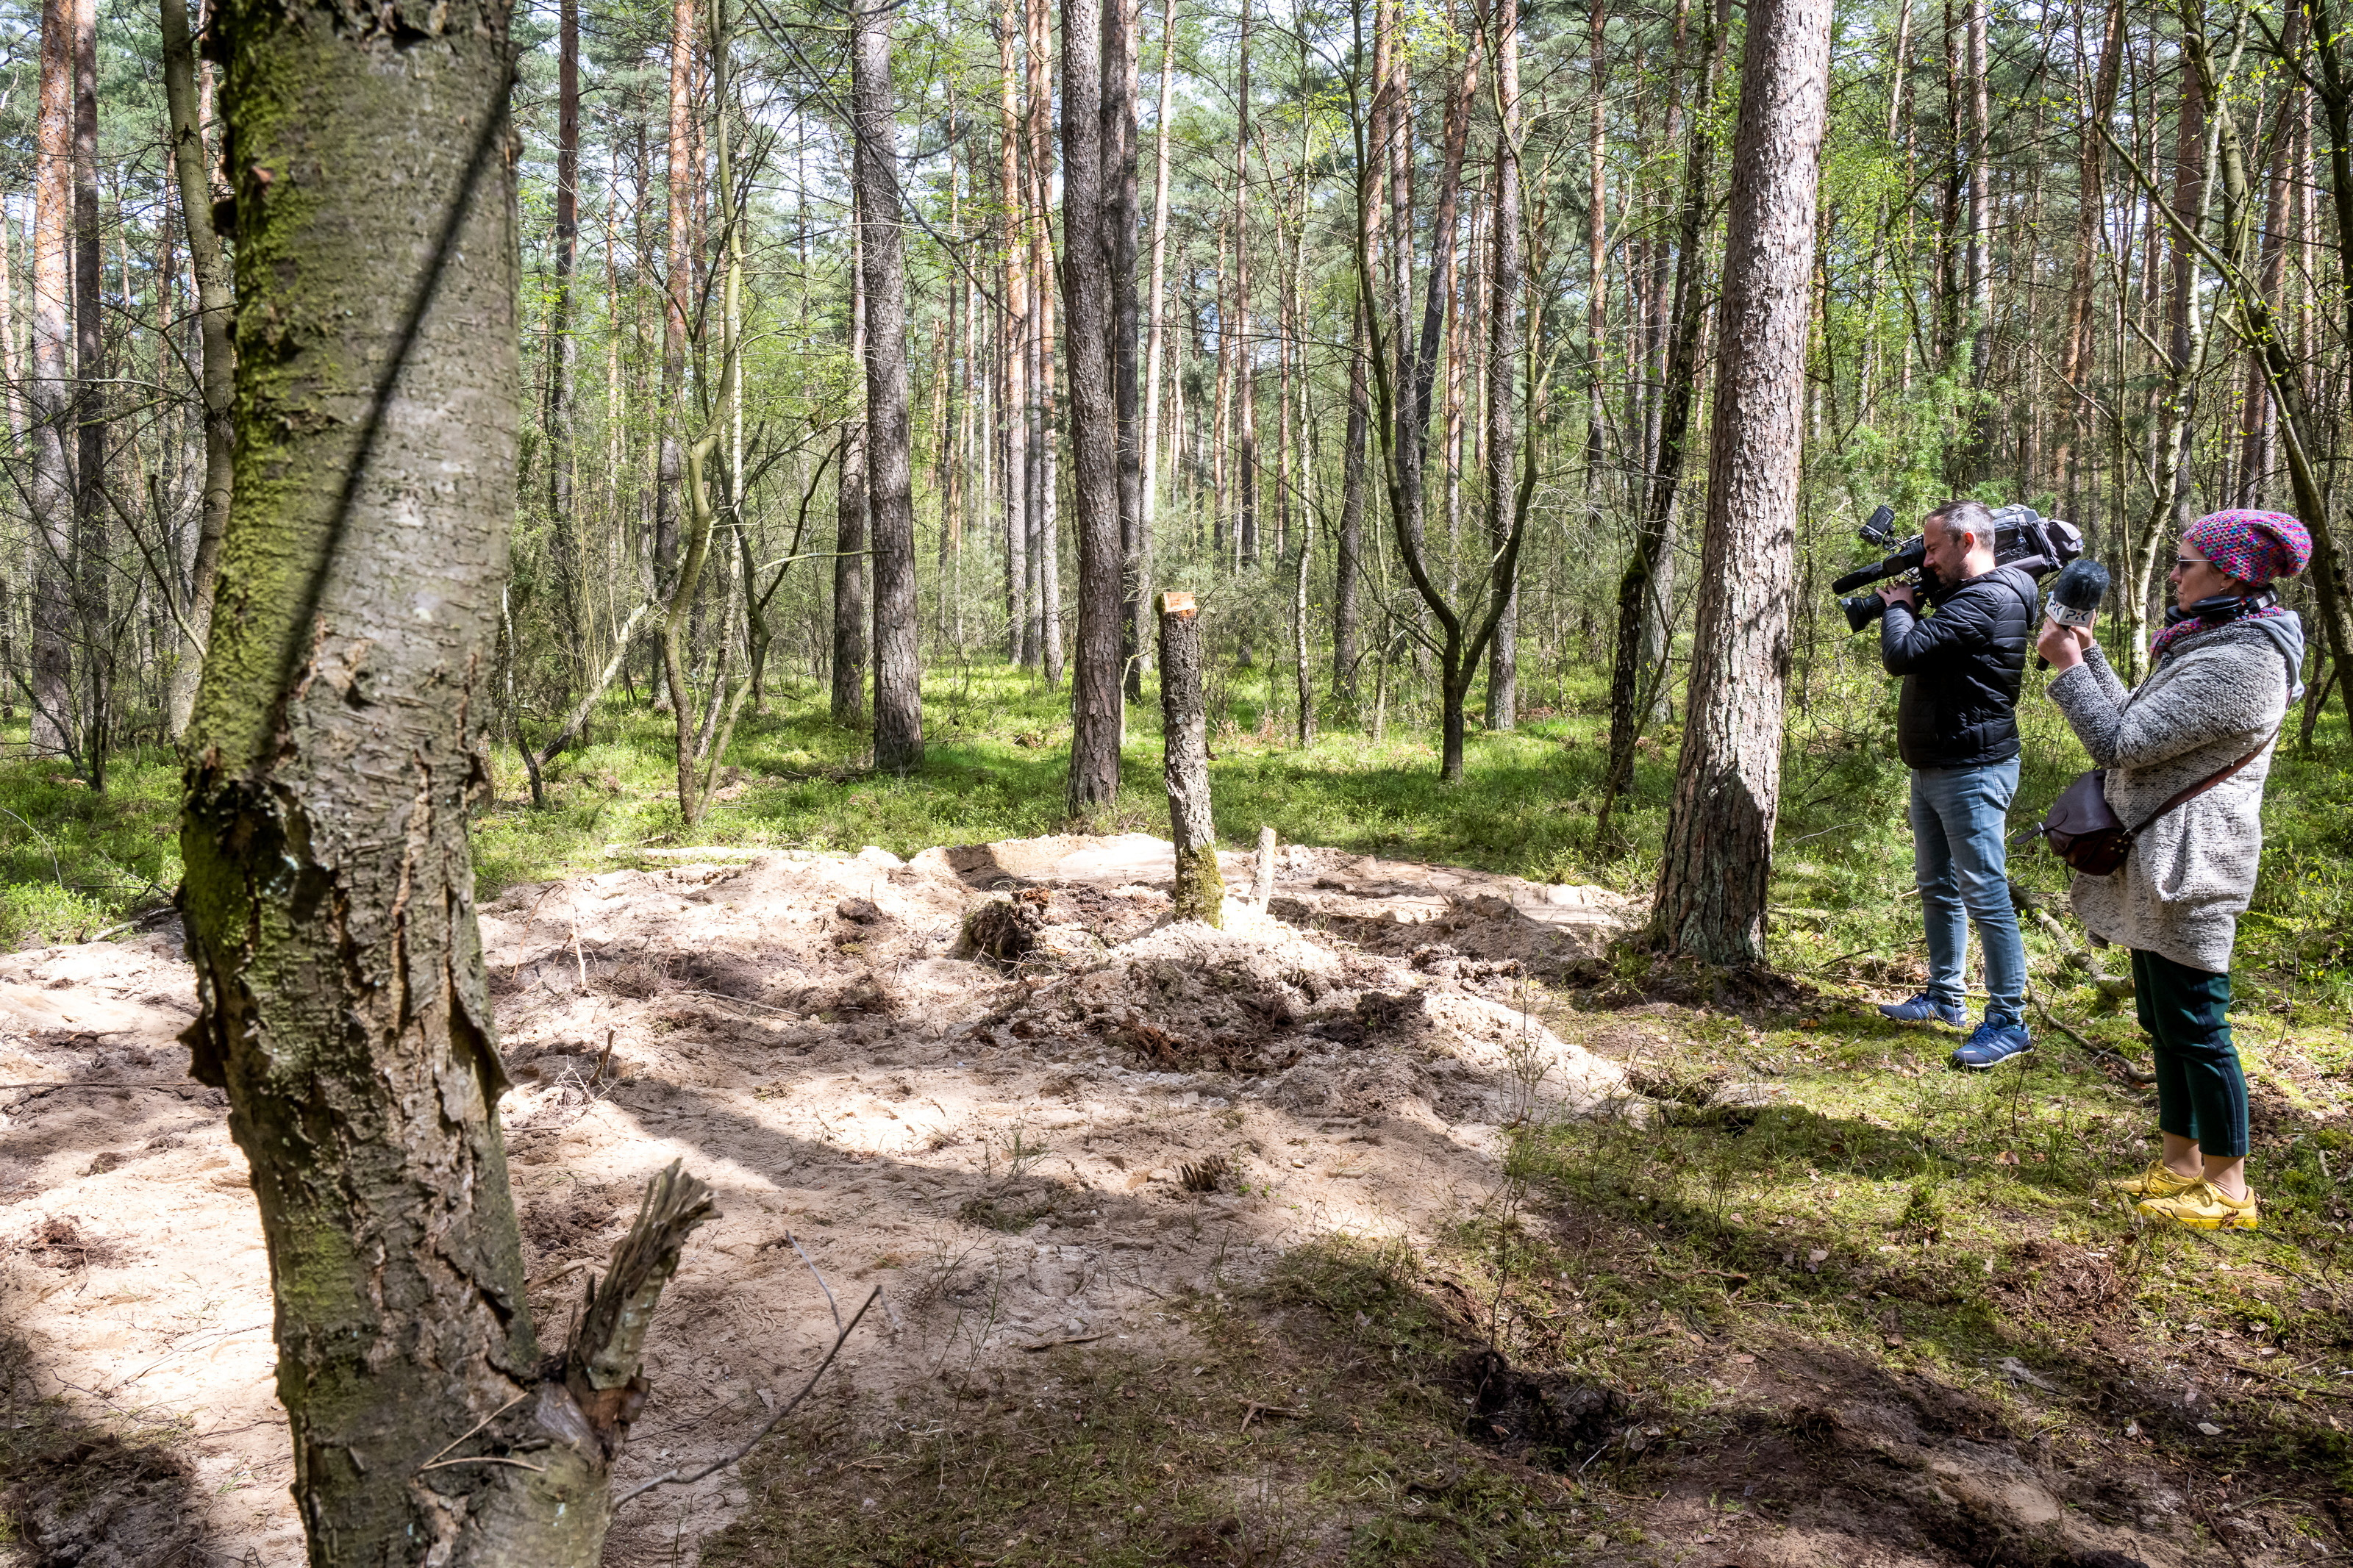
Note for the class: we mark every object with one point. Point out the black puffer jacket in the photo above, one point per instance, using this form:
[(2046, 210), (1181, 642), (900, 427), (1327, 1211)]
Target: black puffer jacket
[(1961, 669)]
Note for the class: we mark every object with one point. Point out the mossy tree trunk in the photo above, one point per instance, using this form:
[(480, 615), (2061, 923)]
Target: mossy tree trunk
[(335, 742)]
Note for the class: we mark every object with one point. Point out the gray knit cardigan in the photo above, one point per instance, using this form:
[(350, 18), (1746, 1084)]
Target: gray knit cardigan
[(2217, 696)]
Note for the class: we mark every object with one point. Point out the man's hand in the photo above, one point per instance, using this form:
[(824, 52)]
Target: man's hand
[(2062, 645), (1902, 593)]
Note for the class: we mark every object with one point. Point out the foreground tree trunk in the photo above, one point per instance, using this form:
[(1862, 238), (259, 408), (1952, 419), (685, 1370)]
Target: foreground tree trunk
[(1719, 845), (336, 742), (890, 469), (190, 166)]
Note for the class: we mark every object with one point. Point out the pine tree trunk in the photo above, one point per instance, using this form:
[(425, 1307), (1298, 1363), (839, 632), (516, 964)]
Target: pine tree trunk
[(1245, 459), (1637, 673), (1156, 334), (1013, 339), (890, 467), (1093, 778), (2076, 347), (678, 292), (1596, 282), (51, 394), (851, 611), (93, 562), (1347, 567), (1978, 461), (1503, 362), (191, 166), (562, 355), (1119, 83), (1718, 863)]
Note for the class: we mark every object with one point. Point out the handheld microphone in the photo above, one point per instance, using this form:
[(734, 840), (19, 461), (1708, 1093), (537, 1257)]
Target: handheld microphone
[(2075, 596)]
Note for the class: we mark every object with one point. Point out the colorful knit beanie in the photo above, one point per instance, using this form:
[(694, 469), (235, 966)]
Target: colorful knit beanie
[(2253, 546)]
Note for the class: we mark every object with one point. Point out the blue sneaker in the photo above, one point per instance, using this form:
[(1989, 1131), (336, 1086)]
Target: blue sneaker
[(1924, 1008), (1992, 1044)]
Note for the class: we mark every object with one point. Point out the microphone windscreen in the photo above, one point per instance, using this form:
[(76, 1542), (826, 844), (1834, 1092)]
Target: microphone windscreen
[(2076, 593)]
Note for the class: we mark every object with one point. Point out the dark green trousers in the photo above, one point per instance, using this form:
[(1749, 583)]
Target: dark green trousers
[(2202, 1094)]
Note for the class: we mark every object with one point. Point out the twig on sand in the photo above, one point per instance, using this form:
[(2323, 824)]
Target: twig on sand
[(672, 1477)]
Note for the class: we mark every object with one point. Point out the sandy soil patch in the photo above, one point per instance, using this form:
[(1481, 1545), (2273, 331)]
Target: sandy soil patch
[(1029, 1141)]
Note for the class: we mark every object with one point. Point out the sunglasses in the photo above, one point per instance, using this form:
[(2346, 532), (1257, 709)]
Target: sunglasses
[(2183, 563)]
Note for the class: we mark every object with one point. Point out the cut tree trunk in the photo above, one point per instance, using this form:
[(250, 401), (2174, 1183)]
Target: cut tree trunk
[(336, 742), (1713, 877), (1200, 886)]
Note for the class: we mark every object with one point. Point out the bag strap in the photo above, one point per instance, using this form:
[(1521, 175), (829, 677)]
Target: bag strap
[(2185, 797)]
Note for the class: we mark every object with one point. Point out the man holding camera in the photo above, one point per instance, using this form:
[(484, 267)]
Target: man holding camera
[(1957, 730)]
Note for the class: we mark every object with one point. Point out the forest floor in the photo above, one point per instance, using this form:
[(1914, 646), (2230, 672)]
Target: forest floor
[(1511, 1247)]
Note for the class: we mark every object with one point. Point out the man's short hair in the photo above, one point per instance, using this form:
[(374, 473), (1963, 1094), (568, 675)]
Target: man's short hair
[(1971, 517)]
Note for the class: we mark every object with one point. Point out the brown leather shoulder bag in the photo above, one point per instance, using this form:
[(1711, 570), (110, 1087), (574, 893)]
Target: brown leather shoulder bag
[(2085, 832)]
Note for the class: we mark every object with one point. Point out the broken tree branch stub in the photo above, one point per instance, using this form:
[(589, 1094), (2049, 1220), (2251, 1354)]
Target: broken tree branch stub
[(1201, 889)]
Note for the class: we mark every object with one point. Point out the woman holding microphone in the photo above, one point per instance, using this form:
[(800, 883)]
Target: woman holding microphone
[(2222, 674)]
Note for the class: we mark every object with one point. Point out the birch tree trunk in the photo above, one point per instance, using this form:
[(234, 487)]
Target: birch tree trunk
[(336, 742), (1719, 845)]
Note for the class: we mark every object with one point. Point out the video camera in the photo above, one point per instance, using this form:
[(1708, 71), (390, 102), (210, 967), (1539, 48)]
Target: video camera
[(2036, 545)]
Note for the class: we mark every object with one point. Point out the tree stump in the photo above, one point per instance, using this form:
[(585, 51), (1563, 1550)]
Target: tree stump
[(1200, 890)]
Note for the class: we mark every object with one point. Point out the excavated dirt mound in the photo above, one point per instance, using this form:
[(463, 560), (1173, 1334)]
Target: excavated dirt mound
[(995, 1079)]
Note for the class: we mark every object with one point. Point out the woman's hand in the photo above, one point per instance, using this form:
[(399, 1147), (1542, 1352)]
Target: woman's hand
[(2062, 645)]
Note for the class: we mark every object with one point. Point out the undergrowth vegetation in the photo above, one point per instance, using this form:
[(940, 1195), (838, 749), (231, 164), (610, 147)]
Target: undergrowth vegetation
[(72, 864)]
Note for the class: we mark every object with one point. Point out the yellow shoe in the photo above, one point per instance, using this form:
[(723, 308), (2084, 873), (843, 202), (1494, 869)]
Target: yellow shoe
[(2203, 1206), (2156, 1181)]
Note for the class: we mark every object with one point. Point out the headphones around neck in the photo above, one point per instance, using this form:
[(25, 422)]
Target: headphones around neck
[(2223, 608)]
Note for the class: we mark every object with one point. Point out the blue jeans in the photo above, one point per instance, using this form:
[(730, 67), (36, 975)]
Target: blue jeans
[(1960, 858)]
